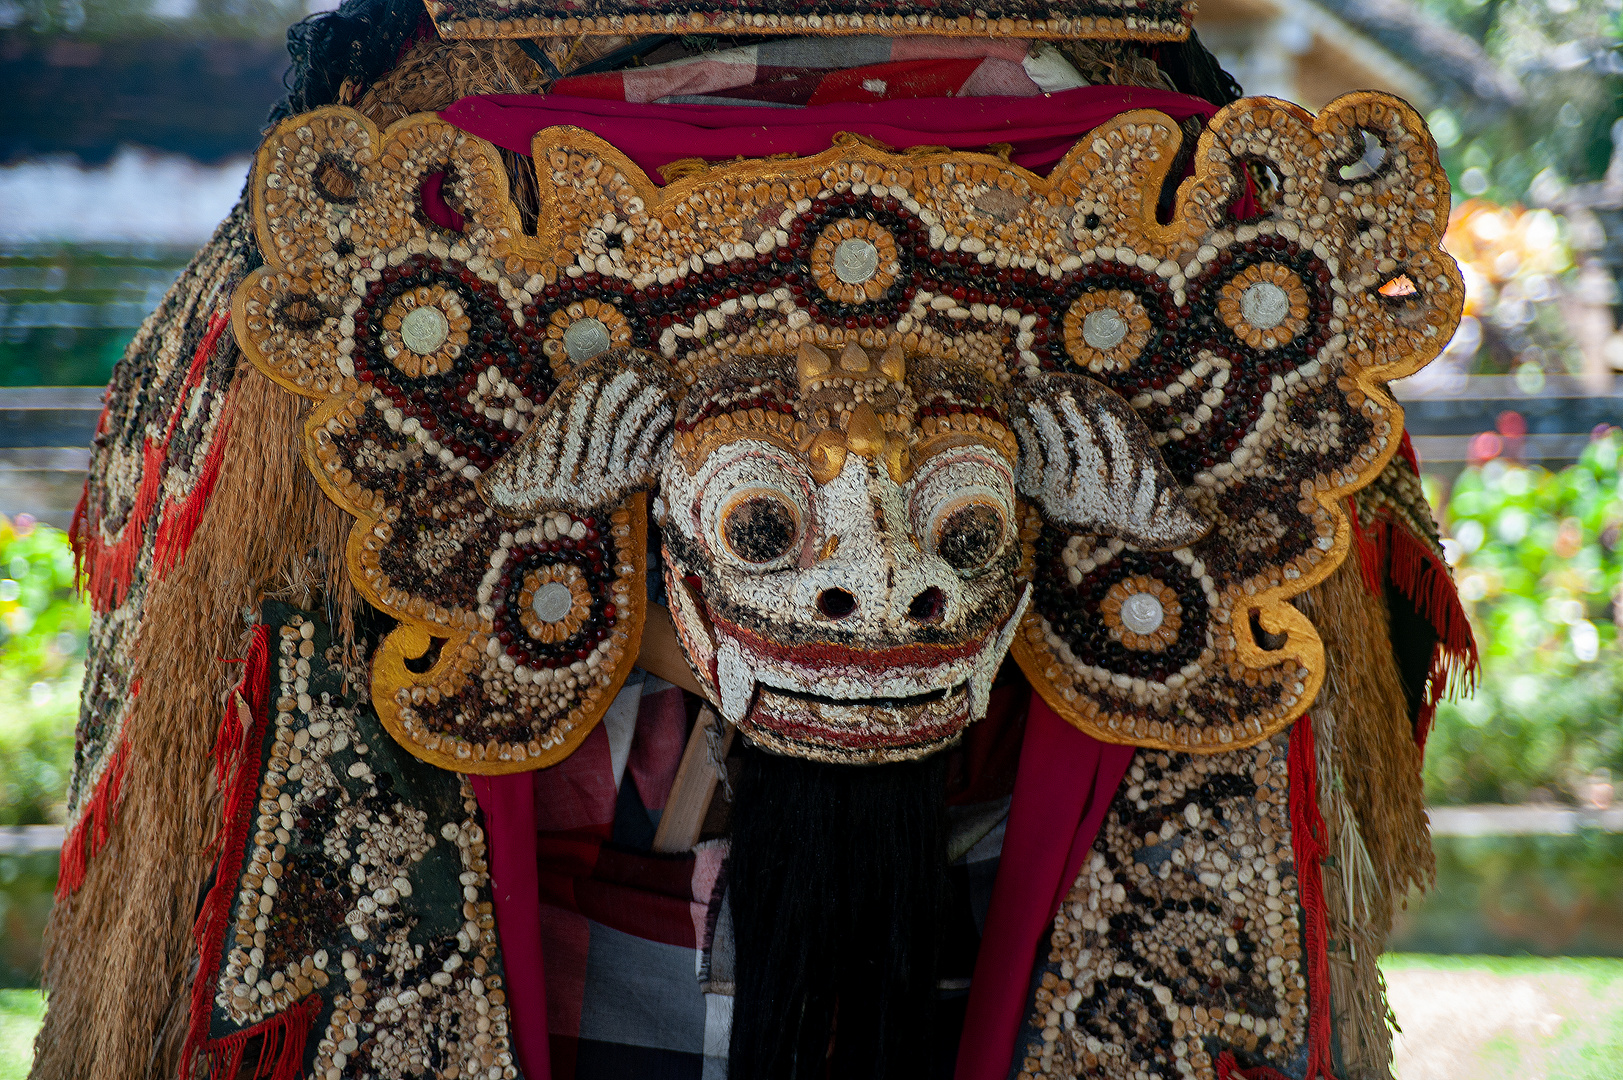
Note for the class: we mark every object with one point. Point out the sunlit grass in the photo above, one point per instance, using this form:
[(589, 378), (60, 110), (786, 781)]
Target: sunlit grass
[(1491, 1017), (20, 1015), (1573, 1029)]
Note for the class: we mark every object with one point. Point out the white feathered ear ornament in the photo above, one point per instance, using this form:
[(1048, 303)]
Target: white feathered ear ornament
[(1091, 464), (602, 435)]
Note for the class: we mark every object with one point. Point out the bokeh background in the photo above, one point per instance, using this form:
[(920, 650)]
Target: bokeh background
[(124, 138)]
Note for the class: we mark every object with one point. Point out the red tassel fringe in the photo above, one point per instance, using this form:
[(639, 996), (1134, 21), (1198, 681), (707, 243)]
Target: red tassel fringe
[(89, 834), (236, 761), (1406, 450), (1420, 576), (108, 570), (180, 522), (1309, 843), (281, 1053), (1371, 545), (1388, 552)]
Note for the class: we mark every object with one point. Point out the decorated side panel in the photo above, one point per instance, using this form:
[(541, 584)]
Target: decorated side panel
[(350, 927), (1181, 939)]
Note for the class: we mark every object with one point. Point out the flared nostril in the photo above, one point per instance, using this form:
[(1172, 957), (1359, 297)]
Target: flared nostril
[(836, 603), (927, 606)]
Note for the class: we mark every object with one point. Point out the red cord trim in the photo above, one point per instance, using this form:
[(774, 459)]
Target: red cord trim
[(180, 522), (236, 759), (1309, 843), (110, 568), (1229, 1069), (89, 834), (1406, 451), (281, 1054), (1371, 544)]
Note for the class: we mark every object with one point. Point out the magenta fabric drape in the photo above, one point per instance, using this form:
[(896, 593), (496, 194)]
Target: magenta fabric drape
[(1064, 786), (1041, 129), (508, 803)]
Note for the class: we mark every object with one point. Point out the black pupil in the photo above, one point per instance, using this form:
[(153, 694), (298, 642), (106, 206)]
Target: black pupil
[(970, 536), (760, 529)]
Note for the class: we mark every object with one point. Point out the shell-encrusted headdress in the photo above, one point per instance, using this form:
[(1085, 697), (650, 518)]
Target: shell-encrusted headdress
[(1180, 407)]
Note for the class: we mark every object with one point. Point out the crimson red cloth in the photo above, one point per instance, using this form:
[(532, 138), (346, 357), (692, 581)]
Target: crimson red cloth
[(1065, 785), (1041, 129), (508, 803)]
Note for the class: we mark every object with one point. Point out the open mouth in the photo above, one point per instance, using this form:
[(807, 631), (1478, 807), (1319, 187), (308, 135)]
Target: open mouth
[(842, 703), (869, 702), (855, 706), (857, 730)]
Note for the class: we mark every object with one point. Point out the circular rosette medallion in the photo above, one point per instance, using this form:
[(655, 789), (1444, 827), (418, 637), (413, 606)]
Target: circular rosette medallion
[(1106, 330), (424, 330), (559, 615), (852, 259), (1265, 305), (1123, 612), (579, 330), (1120, 325), (552, 600), (1143, 613), (447, 357)]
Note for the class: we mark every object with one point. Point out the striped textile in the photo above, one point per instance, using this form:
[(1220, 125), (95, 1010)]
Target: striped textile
[(797, 72), (626, 933)]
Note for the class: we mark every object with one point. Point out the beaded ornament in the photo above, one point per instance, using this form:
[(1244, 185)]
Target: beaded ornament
[(1183, 928), (1132, 20), (1164, 417), (159, 449)]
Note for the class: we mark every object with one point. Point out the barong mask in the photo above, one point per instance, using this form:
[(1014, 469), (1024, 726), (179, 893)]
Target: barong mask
[(847, 556), (897, 413)]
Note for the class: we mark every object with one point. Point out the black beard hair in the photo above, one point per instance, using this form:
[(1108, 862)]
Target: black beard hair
[(837, 884)]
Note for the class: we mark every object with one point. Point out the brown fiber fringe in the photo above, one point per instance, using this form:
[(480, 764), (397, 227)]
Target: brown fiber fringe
[(1371, 799), (435, 73), (120, 959)]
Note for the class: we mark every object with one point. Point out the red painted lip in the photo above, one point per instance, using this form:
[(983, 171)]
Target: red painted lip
[(829, 655)]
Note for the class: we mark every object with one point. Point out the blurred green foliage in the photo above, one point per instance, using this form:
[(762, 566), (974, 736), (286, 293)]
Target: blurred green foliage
[(21, 1013), (43, 624), (1564, 56), (128, 280), (1515, 895), (1538, 560)]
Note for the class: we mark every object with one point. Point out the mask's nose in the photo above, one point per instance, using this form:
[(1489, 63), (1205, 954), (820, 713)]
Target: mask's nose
[(836, 604), (876, 580)]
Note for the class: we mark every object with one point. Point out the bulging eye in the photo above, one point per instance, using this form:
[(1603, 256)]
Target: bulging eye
[(969, 535), (760, 526), (961, 504)]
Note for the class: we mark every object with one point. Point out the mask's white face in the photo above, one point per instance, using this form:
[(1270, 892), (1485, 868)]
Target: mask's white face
[(860, 619), (848, 542)]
